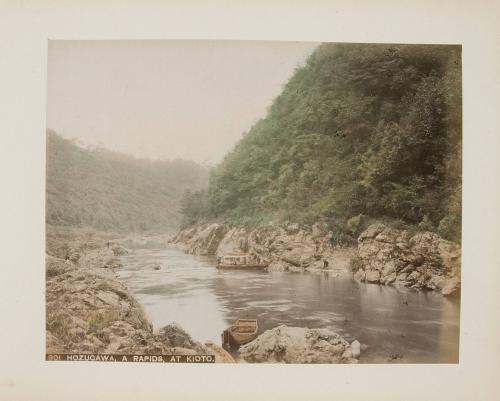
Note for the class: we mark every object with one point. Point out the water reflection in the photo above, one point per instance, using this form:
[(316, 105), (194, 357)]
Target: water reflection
[(406, 325)]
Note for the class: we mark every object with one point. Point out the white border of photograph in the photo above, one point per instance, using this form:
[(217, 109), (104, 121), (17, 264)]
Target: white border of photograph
[(25, 30)]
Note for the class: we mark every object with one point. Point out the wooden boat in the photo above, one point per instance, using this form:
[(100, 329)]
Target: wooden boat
[(242, 331), (239, 261)]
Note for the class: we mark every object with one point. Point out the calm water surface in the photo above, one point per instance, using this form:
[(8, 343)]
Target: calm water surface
[(400, 325)]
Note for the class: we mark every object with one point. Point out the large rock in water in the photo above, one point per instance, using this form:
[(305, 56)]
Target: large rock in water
[(298, 345), (119, 250), (422, 260)]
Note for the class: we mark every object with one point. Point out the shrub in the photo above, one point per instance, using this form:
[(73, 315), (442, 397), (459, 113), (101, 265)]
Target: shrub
[(355, 264)]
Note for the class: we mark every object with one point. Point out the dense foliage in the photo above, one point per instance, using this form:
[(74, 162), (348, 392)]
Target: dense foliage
[(362, 129), (114, 192)]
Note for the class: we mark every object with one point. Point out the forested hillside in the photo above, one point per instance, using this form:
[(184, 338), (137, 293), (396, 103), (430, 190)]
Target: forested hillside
[(114, 192), (372, 130)]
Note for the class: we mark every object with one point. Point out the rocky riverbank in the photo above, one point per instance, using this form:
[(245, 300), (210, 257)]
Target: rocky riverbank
[(89, 311), (383, 255), (286, 248), (300, 345), (420, 260)]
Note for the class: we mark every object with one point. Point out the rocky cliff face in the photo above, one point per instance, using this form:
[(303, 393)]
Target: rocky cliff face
[(202, 240), (419, 260), (384, 255), (287, 248)]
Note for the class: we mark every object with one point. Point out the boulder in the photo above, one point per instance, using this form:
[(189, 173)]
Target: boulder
[(173, 335), (387, 235), (372, 276), (360, 275), (153, 266), (298, 345), (119, 250), (371, 232), (424, 260), (300, 255), (451, 286)]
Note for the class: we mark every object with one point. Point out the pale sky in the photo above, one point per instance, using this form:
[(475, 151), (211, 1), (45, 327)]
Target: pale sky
[(166, 99)]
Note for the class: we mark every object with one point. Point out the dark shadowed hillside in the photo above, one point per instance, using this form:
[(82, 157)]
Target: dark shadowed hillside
[(111, 191), (360, 130)]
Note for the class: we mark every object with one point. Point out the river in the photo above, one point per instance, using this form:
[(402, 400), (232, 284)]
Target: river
[(394, 325)]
